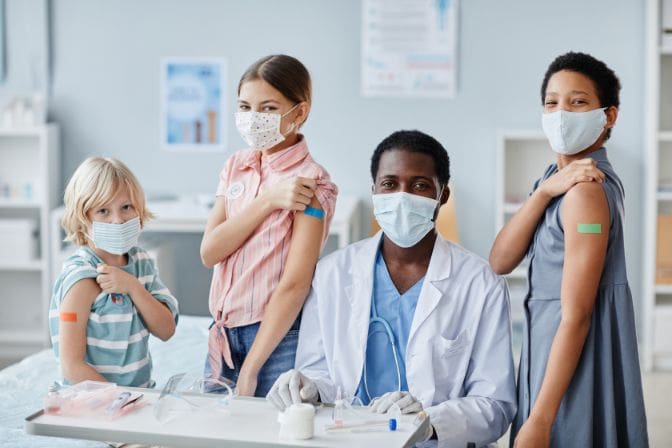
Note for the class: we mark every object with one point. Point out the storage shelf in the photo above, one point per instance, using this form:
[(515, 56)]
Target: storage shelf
[(34, 265), (23, 132), (523, 134), (661, 288), (16, 203), (512, 207), (34, 336), (664, 195), (28, 156)]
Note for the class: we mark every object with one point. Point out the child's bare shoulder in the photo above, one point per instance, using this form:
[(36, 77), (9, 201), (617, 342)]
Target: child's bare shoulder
[(84, 290)]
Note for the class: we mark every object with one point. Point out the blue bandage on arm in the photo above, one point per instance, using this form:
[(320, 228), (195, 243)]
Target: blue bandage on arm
[(314, 212)]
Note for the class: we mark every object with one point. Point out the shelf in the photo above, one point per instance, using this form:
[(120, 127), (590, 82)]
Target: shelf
[(35, 265), (18, 203), (665, 51), (664, 195), (33, 131), (34, 336), (665, 136), (661, 288), (523, 134), (512, 207)]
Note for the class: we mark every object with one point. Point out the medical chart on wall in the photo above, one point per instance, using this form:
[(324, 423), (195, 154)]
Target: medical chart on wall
[(409, 48), (193, 105)]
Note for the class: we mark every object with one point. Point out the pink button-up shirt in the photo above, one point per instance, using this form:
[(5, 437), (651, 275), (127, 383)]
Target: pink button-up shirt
[(243, 283)]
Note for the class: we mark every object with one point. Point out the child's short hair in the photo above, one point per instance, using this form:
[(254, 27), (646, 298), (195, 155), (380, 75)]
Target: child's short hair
[(95, 183)]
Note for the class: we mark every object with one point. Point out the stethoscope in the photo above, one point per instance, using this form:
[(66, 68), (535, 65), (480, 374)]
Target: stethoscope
[(375, 319)]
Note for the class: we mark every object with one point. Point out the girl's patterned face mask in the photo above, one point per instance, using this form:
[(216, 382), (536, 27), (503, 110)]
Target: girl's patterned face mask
[(261, 130)]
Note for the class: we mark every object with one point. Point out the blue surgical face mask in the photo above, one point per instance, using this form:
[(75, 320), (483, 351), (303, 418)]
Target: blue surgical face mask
[(405, 218), (116, 239), (571, 132)]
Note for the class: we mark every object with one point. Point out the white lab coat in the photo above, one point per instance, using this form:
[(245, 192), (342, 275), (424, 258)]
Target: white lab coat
[(458, 358)]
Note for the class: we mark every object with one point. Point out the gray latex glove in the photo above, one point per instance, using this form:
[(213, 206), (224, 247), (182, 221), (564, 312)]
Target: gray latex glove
[(406, 402), (292, 387)]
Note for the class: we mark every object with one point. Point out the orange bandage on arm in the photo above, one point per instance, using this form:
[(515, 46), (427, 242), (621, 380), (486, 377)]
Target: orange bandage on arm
[(67, 317)]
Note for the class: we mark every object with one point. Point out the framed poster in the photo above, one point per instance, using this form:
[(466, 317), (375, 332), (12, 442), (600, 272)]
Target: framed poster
[(409, 49), (192, 104)]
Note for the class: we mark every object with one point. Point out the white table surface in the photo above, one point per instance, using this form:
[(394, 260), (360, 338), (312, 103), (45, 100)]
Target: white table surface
[(252, 422)]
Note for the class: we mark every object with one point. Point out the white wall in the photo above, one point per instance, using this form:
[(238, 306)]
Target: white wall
[(106, 92)]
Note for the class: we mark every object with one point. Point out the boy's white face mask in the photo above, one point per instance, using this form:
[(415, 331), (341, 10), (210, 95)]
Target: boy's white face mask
[(116, 239), (261, 130), (572, 132), (405, 218)]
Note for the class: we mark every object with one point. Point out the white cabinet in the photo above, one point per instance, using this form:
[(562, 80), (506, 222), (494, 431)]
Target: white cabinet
[(29, 189), (657, 276), (522, 157)]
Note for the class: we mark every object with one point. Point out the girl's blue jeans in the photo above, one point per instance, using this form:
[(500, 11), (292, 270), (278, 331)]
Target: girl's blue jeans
[(280, 361)]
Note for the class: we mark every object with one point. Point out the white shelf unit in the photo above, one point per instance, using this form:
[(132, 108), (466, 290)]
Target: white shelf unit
[(522, 157), (657, 297), (29, 189)]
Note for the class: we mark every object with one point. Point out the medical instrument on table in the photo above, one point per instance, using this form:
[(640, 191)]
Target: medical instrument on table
[(362, 424), (337, 415), (87, 397), (375, 319), (395, 416), (91, 398), (180, 396), (297, 421), (53, 400), (347, 410), (122, 401)]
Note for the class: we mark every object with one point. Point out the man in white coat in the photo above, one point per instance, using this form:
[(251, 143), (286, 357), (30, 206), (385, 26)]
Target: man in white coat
[(406, 317)]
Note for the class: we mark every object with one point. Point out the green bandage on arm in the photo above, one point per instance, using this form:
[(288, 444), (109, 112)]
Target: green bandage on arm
[(589, 228)]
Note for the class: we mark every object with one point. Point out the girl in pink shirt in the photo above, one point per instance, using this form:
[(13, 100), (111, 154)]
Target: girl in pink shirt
[(264, 235)]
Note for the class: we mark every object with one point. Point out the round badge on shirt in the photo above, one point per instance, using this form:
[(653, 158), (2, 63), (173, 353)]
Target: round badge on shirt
[(235, 190)]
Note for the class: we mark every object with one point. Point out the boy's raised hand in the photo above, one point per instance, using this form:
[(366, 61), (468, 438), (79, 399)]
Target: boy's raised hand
[(112, 279)]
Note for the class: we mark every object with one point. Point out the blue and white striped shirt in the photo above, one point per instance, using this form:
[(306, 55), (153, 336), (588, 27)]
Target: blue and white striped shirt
[(116, 335)]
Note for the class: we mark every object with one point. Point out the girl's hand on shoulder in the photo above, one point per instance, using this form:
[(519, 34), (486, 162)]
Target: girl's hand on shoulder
[(294, 193), (112, 279), (533, 436), (584, 170)]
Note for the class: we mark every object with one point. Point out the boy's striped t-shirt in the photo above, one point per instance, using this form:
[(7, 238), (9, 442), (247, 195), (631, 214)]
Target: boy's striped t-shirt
[(116, 336)]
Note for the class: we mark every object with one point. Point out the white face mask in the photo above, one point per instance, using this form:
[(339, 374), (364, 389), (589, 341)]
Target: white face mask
[(116, 239), (261, 130), (405, 218), (572, 132)]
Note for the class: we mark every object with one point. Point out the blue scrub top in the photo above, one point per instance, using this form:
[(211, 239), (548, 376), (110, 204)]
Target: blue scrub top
[(398, 310)]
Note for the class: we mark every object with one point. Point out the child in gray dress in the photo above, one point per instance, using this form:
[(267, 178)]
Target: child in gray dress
[(579, 379)]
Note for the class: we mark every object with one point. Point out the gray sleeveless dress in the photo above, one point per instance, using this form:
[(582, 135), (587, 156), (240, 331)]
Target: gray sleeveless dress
[(604, 405)]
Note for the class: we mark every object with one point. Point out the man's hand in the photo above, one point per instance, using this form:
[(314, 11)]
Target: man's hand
[(292, 387), (404, 400)]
